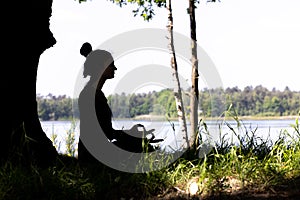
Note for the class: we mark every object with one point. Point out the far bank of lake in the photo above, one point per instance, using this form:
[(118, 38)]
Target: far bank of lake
[(160, 118)]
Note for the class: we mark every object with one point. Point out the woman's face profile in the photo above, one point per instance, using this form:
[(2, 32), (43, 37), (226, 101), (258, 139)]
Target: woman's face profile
[(109, 72)]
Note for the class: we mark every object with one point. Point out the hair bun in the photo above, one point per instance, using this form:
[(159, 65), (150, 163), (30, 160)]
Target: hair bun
[(85, 49)]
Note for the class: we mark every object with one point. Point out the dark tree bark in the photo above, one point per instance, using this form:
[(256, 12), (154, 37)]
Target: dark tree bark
[(26, 36)]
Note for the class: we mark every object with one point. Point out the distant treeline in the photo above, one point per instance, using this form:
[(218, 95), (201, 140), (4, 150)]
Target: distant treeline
[(53, 107), (132, 105), (257, 101)]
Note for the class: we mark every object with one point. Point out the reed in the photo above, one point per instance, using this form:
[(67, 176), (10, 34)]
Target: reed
[(250, 165)]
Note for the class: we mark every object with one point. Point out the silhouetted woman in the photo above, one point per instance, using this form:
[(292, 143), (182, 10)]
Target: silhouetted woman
[(99, 66)]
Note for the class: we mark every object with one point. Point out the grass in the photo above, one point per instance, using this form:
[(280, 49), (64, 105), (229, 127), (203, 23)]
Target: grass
[(250, 168)]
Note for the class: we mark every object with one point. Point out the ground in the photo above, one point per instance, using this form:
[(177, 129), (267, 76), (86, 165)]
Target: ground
[(290, 191)]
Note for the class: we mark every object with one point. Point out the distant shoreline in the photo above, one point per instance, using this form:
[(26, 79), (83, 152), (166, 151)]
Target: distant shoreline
[(256, 118), (163, 118)]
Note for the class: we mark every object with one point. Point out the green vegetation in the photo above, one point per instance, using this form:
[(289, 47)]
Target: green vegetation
[(259, 101), (144, 8), (155, 103), (247, 168), (53, 107), (255, 102)]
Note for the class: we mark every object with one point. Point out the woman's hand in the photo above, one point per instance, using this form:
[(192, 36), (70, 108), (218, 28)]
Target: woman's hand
[(139, 130)]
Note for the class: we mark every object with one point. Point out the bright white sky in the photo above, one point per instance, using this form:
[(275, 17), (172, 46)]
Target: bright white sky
[(251, 42)]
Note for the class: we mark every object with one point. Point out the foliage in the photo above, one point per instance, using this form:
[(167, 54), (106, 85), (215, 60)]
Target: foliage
[(248, 167), (53, 107), (145, 8), (71, 149), (251, 101), (258, 101), (155, 103)]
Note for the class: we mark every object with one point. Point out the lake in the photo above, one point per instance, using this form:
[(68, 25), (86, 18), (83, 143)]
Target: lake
[(169, 130)]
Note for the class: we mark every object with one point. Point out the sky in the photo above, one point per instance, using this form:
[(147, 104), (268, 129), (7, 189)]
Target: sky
[(250, 42)]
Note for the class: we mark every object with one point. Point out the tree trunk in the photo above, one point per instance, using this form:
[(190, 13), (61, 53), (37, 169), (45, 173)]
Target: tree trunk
[(194, 90), (27, 36), (177, 88)]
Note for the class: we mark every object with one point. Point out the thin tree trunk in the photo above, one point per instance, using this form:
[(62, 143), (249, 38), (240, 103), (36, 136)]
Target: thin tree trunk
[(177, 88), (194, 90)]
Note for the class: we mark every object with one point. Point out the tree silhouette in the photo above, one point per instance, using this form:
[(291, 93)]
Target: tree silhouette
[(27, 36)]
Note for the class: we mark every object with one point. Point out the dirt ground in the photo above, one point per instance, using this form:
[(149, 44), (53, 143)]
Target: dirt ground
[(289, 191)]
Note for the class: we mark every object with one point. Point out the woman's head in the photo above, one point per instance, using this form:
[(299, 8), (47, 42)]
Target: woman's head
[(99, 62)]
